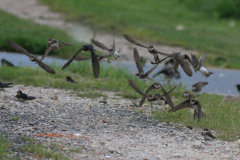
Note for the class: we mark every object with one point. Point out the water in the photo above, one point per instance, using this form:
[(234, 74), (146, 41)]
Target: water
[(223, 81)]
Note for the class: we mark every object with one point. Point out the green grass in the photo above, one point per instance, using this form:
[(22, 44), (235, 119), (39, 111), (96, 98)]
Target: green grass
[(156, 21), (222, 115), (33, 37), (4, 144), (40, 151)]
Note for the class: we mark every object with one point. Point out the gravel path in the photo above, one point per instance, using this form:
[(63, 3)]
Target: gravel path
[(103, 128)]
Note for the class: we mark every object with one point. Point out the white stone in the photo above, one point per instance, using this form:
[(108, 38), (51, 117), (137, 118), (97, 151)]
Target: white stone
[(197, 145), (177, 155)]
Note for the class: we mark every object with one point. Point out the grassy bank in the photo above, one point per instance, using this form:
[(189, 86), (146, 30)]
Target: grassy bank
[(156, 22), (33, 37), (222, 115)]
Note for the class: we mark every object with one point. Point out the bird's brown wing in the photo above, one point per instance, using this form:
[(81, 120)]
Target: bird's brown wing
[(129, 39), (175, 64), (202, 59), (185, 66), (95, 64), (113, 39), (150, 71), (70, 60), (100, 45), (135, 87), (168, 97), (44, 66), (49, 48), (195, 60), (200, 84), (184, 104), (19, 48), (138, 61), (67, 44)]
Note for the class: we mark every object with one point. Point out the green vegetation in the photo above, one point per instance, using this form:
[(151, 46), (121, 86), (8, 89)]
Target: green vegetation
[(41, 151), (216, 8), (222, 115), (4, 144), (156, 22), (33, 37)]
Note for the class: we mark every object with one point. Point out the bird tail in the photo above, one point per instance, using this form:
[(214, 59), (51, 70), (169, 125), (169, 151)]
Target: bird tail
[(209, 73)]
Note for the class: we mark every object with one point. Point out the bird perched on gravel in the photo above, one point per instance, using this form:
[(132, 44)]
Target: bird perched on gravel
[(22, 96), (190, 103), (95, 62), (5, 62), (156, 98), (207, 134), (5, 85), (199, 65), (32, 57), (150, 48), (112, 51), (69, 79), (56, 44), (140, 73), (197, 87)]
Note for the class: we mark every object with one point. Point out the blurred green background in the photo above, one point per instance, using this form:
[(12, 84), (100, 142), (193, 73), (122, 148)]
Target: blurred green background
[(211, 25)]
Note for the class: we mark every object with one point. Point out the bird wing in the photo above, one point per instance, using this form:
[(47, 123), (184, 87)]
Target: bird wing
[(138, 61), (19, 48), (95, 64), (70, 60), (200, 84), (49, 48), (195, 60), (135, 87), (67, 44), (44, 66), (113, 39), (184, 104), (175, 64), (150, 71), (129, 39), (202, 58), (167, 96), (100, 45), (185, 66)]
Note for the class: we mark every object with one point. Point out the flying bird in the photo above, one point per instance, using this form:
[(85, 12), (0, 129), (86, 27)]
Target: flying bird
[(32, 57), (150, 48), (199, 65), (22, 96), (179, 59), (101, 58), (5, 85), (56, 44), (197, 87), (140, 73), (157, 97), (95, 62), (238, 88), (112, 51), (6, 62), (190, 103)]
